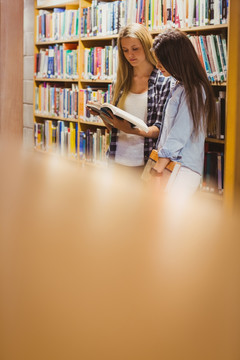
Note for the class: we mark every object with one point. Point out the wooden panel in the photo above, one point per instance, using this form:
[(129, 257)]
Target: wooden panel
[(11, 68), (232, 157)]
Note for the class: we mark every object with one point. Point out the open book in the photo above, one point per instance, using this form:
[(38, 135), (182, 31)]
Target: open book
[(107, 109)]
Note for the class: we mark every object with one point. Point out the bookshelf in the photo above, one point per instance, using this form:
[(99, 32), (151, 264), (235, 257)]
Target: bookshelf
[(52, 95), (83, 83)]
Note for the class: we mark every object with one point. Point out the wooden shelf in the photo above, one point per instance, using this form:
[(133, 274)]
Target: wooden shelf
[(43, 43), (94, 38), (55, 80), (156, 32), (54, 117), (219, 83), (96, 81), (217, 141), (95, 123), (72, 3), (205, 28)]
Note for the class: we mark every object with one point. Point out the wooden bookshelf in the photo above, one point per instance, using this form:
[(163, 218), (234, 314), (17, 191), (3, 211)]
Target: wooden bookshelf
[(65, 82), (231, 171), (232, 154)]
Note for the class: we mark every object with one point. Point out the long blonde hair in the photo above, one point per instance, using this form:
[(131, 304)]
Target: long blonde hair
[(125, 70)]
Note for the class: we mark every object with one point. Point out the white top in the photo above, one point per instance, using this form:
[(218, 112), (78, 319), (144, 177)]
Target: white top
[(130, 148)]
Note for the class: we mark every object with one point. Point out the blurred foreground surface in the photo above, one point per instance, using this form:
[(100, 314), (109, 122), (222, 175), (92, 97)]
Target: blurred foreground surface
[(95, 267)]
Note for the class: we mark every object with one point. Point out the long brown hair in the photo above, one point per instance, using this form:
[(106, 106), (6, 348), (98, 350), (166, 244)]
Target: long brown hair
[(176, 53), (125, 70)]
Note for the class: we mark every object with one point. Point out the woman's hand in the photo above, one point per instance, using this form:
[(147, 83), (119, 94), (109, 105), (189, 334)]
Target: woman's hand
[(92, 111), (161, 164), (122, 125)]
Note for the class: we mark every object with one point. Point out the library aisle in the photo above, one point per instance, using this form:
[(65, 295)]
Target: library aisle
[(91, 266)]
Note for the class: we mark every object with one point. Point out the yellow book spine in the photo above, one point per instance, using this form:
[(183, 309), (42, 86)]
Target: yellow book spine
[(50, 134), (40, 98)]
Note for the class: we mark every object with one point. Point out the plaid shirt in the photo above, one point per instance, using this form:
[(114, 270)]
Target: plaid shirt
[(158, 90)]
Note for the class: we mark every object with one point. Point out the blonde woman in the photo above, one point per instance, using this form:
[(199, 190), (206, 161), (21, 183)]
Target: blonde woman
[(141, 90)]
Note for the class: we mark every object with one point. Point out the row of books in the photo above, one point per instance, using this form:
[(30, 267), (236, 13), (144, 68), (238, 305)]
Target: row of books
[(213, 178), (93, 145), (58, 24), (52, 100), (103, 18), (100, 63), (158, 14), (56, 136), (61, 61), (90, 94), (64, 138), (106, 18), (212, 52), (189, 13), (57, 62)]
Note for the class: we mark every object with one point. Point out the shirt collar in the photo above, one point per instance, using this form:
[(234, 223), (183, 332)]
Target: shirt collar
[(153, 77)]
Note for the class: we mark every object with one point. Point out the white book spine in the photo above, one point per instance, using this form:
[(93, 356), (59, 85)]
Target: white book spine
[(214, 57), (216, 20)]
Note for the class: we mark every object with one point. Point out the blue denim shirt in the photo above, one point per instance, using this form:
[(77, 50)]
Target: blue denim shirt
[(177, 141)]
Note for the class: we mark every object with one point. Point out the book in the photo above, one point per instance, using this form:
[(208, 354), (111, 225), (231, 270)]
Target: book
[(213, 172), (106, 109), (166, 177)]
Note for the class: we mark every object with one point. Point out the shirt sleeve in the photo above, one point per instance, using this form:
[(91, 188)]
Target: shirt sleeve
[(180, 129), (161, 95)]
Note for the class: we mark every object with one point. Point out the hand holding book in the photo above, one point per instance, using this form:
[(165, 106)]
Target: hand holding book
[(120, 124), (94, 107), (117, 117)]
